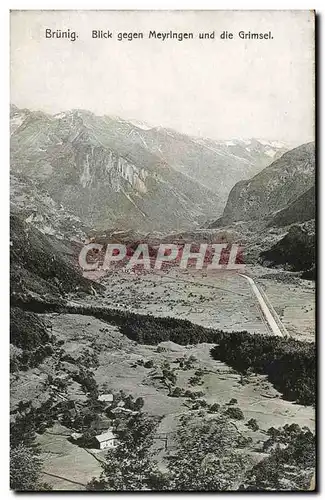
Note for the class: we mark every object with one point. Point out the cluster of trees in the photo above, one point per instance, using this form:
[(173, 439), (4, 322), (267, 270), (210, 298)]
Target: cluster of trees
[(235, 413), (168, 376), (289, 364), (29, 334), (208, 454), (25, 461), (81, 418), (150, 330), (205, 454), (186, 362), (27, 420), (195, 403), (85, 378), (205, 457), (197, 377), (29, 359), (88, 417), (27, 330), (179, 392), (25, 469), (88, 359), (129, 402), (290, 464)]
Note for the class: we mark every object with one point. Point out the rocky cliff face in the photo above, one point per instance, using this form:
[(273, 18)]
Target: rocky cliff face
[(276, 187), (217, 165), (92, 167)]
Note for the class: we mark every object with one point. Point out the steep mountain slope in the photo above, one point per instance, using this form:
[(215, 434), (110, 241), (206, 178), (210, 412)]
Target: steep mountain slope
[(296, 249), (35, 206), (301, 210), (41, 269), (110, 172), (273, 189)]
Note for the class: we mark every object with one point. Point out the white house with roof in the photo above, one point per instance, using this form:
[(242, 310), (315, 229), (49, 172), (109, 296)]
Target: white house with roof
[(107, 398), (106, 440)]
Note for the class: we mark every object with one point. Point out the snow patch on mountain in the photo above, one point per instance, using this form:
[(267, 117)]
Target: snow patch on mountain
[(16, 122)]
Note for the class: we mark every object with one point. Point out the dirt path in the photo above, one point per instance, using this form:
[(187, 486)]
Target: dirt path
[(64, 479)]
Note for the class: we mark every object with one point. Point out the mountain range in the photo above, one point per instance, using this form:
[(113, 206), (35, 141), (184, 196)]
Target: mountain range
[(110, 172), (76, 176)]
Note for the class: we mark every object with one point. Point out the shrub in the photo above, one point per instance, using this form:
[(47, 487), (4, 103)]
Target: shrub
[(214, 408), (252, 424), (235, 413), (176, 392)]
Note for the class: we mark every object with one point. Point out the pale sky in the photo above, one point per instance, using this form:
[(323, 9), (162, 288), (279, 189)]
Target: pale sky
[(217, 88)]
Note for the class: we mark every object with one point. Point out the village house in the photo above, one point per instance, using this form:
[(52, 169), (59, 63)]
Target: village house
[(107, 398), (105, 440)]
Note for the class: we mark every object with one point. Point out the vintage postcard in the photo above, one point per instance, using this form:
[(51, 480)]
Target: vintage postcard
[(162, 241)]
